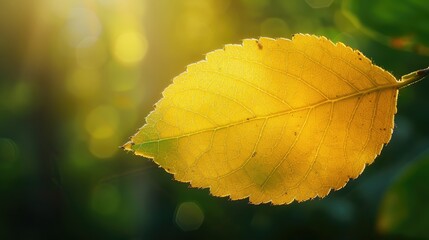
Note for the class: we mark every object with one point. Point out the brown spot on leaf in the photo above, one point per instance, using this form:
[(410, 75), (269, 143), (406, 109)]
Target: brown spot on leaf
[(259, 45), (423, 72)]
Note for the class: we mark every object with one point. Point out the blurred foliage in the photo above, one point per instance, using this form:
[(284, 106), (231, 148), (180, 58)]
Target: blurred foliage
[(405, 210), (389, 22), (77, 77)]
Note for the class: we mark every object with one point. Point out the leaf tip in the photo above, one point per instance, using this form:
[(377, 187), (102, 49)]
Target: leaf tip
[(128, 146)]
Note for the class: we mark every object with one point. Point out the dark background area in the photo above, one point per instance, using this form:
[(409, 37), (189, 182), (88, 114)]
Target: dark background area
[(78, 77)]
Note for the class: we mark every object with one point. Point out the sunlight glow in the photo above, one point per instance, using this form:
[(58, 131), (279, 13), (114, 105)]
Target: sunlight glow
[(130, 48)]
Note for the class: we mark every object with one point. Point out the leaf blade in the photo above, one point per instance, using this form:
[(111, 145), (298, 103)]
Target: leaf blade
[(242, 122)]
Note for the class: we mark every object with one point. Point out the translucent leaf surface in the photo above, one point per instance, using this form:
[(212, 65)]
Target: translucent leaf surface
[(272, 120)]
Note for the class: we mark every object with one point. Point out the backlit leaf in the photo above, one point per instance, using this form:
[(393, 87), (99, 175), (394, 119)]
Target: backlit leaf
[(272, 120)]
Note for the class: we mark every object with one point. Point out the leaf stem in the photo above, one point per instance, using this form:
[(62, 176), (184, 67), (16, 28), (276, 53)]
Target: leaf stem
[(413, 77)]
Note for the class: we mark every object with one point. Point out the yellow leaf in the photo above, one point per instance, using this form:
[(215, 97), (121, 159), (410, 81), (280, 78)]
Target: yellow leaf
[(272, 120)]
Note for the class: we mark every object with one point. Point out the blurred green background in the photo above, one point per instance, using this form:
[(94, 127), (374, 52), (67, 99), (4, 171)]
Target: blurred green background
[(77, 78)]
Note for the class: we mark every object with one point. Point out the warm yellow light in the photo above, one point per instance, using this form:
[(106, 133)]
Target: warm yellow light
[(130, 47), (102, 122), (103, 148), (274, 27), (91, 53), (83, 83)]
